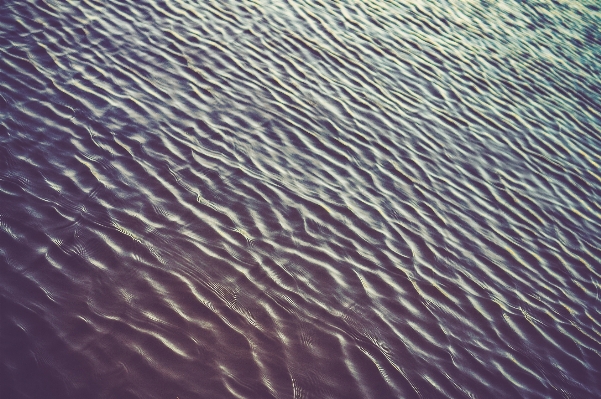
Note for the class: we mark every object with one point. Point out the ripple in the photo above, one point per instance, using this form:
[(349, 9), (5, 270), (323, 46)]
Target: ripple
[(300, 199)]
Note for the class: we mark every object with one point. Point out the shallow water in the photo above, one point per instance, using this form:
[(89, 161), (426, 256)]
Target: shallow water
[(300, 199)]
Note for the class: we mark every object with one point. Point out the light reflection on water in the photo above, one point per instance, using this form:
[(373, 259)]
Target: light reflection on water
[(289, 199)]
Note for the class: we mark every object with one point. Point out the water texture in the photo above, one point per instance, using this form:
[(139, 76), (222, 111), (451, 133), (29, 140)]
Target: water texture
[(300, 199)]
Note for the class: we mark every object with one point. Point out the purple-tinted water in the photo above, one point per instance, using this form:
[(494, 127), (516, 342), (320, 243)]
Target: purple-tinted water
[(300, 199)]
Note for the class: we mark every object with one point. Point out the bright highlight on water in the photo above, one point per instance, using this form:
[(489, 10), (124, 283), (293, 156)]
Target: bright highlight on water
[(300, 199)]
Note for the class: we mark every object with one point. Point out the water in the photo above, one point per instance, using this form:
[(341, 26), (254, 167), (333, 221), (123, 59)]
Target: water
[(300, 199)]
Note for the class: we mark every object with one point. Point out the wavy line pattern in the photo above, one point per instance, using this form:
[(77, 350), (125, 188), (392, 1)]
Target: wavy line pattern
[(300, 199)]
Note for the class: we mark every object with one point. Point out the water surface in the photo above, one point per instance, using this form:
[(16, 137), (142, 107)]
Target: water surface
[(300, 199)]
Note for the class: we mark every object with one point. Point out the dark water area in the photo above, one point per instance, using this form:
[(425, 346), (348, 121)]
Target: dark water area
[(300, 199)]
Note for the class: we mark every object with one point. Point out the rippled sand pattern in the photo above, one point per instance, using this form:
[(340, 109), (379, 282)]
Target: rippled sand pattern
[(300, 199)]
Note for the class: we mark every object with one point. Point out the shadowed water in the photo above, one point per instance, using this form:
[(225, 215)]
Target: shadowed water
[(300, 199)]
